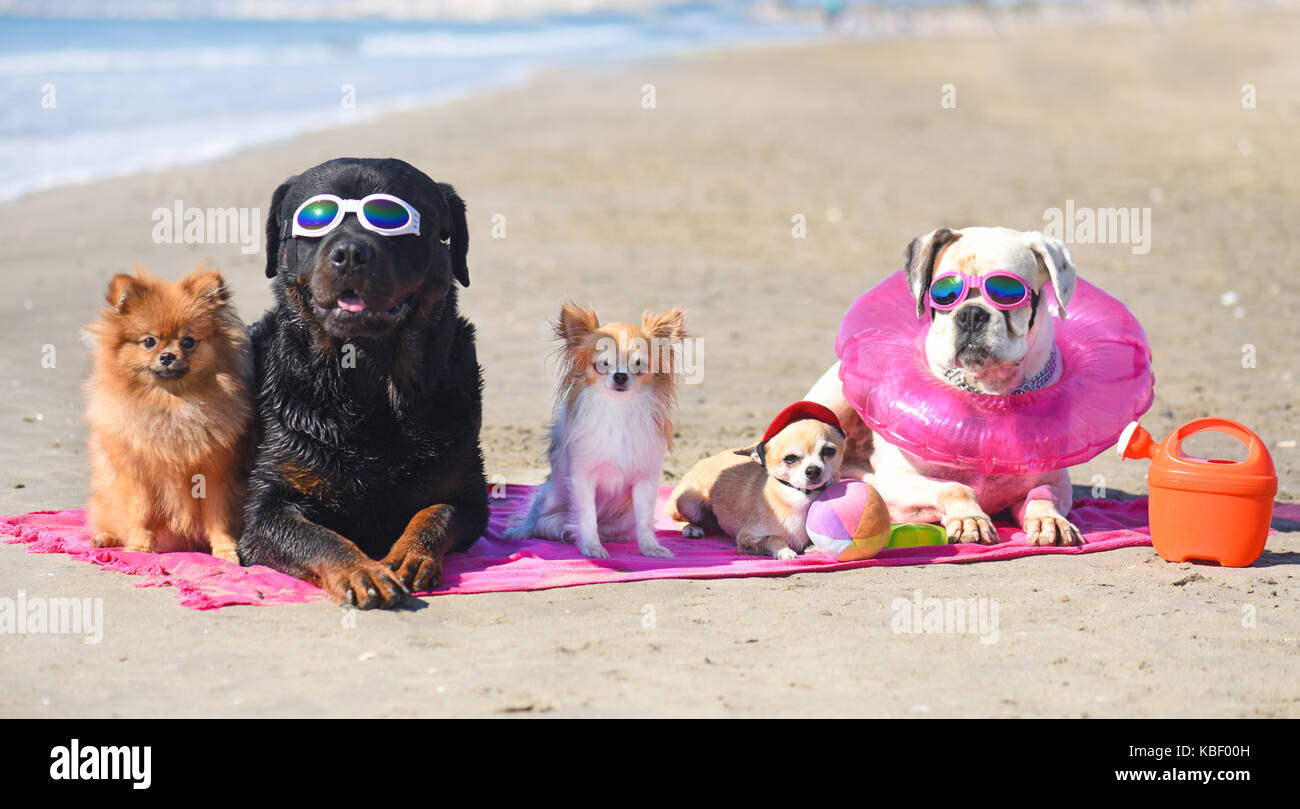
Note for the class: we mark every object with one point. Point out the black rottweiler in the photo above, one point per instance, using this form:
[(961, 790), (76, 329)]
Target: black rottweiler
[(369, 389)]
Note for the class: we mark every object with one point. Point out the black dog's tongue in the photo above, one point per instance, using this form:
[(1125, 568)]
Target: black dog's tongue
[(351, 302)]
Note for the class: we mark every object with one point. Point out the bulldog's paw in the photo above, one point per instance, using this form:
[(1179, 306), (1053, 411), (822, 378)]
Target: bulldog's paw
[(1051, 529), (971, 528), (963, 518), (785, 554), (693, 531), (417, 569), (364, 585)]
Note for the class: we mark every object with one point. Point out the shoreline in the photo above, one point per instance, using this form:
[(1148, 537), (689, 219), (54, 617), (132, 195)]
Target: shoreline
[(861, 24), (513, 54)]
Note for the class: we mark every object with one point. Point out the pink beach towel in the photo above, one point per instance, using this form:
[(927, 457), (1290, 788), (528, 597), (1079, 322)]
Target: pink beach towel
[(495, 564)]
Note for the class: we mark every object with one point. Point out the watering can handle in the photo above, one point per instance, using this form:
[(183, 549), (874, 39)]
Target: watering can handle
[(1218, 425)]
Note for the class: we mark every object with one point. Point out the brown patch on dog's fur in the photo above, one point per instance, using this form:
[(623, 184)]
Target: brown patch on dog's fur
[(968, 264), (305, 481), (417, 555)]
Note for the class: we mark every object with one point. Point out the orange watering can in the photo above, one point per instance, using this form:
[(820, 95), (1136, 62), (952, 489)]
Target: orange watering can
[(1210, 510)]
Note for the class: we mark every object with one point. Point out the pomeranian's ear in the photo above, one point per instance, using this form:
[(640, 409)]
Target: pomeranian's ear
[(206, 285), (670, 325), (122, 288), (577, 323)]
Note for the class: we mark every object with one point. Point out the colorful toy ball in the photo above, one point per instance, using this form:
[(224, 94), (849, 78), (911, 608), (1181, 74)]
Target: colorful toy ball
[(849, 521)]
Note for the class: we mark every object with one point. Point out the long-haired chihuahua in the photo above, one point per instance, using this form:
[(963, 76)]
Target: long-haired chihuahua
[(612, 427)]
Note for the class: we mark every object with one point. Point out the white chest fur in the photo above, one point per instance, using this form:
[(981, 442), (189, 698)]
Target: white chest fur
[(615, 439)]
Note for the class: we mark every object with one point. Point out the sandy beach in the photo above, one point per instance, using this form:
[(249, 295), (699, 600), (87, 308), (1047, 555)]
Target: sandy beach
[(576, 189)]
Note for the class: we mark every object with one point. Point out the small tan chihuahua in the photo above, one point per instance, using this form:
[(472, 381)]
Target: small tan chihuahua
[(760, 495)]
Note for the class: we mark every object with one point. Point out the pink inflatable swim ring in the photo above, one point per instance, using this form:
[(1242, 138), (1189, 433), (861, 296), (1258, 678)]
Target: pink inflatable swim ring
[(1105, 383)]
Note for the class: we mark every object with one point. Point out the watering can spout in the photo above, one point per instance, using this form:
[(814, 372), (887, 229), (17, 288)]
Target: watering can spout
[(1136, 443)]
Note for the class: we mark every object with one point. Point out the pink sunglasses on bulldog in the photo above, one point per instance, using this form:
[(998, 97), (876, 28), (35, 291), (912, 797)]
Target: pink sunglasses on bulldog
[(1001, 289)]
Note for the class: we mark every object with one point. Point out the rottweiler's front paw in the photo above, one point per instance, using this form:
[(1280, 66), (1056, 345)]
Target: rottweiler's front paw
[(366, 585), (418, 570)]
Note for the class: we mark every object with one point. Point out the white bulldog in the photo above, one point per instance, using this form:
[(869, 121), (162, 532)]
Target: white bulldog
[(982, 341)]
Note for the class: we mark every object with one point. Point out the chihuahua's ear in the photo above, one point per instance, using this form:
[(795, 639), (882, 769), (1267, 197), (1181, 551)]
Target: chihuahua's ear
[(756, 453), (458, 234), (274, 226), (670, 325), (123, 288), (576, 323), (206, 285)]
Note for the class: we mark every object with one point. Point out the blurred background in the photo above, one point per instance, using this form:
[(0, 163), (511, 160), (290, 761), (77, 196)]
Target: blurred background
[(147, 84), (156, 83)]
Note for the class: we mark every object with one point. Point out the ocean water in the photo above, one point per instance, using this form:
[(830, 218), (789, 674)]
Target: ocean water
[(91, 98)]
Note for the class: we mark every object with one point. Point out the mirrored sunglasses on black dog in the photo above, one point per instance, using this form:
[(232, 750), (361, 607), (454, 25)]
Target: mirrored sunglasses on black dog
[(382, 213)]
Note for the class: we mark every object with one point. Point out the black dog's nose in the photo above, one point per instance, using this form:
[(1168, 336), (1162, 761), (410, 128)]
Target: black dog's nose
[(620, 378), (813, 472), (350, 255), (972, 318), (166, 359)]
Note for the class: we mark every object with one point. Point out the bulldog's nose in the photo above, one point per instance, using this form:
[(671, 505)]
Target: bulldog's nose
[(166, 360), (972, 318), (813, 472), (350, 255)]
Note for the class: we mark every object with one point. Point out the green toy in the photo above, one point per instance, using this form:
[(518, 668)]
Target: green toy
[(916, 534)]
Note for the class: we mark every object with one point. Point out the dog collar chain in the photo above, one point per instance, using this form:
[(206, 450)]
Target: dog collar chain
[(1040, 379), (817, 490), (955, 377)]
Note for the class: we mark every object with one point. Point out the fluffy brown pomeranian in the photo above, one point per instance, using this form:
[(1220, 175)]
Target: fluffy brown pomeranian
[(170, 411)]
